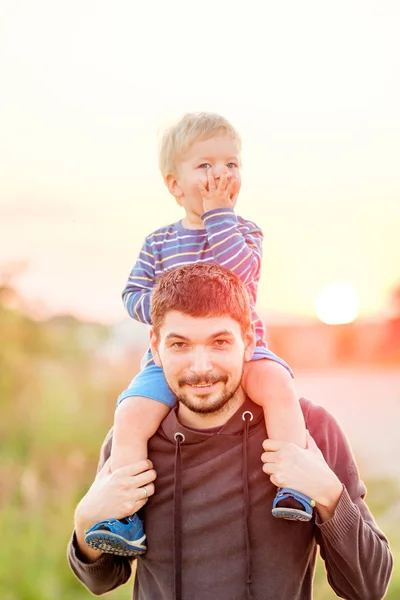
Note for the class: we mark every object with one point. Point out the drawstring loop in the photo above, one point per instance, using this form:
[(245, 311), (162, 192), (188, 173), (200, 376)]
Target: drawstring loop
[(244, 415)]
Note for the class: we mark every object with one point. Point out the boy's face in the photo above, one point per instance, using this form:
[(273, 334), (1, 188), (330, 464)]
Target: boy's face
[(214, 154)]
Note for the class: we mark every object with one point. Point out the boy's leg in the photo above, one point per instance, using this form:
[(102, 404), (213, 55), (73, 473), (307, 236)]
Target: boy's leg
[(136, 421), (270, 385), (137, 418)]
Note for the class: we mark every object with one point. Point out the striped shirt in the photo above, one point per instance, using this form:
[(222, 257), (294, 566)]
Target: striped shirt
[(226, 239)]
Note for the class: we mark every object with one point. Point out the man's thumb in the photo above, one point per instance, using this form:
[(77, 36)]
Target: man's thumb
[(104, 470)]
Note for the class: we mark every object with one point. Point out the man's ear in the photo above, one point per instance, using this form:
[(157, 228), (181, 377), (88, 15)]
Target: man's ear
[(154, 348), (174, 188), (249, 343)]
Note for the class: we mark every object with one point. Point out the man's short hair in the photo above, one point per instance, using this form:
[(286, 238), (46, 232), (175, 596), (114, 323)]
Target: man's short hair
[(178, 138), (200, 290)]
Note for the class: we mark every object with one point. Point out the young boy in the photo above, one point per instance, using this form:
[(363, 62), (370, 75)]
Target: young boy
[(200, 162)]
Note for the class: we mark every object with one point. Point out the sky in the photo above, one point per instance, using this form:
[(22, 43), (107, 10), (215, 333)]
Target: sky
[(313, 88)]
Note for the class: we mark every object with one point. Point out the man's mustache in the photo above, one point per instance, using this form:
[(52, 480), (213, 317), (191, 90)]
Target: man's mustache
[(208, 379)]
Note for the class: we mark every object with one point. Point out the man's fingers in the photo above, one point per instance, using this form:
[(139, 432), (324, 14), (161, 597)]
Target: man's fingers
[(272, 445), (135, 468), (269, 457), (142, 494), (144, 478), (145, 491)]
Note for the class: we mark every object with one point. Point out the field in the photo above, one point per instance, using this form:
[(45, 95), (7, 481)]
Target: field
[(58, 396)]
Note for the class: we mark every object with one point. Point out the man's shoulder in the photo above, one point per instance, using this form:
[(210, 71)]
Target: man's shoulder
[(317, 416), (326, 431), (310, 408), (105, 451)]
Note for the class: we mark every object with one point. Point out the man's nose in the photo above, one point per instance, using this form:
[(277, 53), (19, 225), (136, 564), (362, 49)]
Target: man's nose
[(200, 361)]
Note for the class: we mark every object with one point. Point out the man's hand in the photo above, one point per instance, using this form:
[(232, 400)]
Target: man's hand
[(113, 496), (221, 194), (304, 470)]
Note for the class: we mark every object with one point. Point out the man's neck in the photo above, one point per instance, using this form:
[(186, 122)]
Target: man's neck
[(189, 418)]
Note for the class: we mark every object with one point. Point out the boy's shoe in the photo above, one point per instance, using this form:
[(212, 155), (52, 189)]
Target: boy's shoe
[(124, 537), (293, 506)]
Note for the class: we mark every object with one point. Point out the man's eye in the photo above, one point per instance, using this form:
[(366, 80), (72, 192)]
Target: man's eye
[(205, 166), (221, 343), (178, 345)]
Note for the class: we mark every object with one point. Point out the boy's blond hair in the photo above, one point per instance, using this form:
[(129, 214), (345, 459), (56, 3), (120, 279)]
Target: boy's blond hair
[(177, 139)]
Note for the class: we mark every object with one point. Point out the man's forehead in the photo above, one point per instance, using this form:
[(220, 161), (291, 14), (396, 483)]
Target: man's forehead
[(188, 326)]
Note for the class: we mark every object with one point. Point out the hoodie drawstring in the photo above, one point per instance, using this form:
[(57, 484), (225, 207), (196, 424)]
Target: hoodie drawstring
[(179, 438), (247, 416)]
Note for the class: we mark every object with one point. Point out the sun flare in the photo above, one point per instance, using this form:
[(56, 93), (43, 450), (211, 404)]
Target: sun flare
[(337, 303)]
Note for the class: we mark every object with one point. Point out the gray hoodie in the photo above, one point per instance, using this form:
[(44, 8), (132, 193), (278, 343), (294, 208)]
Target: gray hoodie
[(210, 532)]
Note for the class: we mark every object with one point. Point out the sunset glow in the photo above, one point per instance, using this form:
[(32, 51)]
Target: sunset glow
[(86, 87), (337, 304)]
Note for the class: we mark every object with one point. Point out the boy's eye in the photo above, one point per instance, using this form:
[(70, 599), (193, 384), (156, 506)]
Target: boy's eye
[(232, 165), (205, 166)]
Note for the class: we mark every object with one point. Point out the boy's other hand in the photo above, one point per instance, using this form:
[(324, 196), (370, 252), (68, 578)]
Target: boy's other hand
[(220, 194)]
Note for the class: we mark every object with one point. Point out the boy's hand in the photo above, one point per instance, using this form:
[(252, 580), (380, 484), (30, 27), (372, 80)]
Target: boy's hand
[(222, 194)]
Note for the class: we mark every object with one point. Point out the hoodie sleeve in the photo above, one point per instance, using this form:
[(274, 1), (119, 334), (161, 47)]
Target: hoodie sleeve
[(104, 575), (356, 553), (108, 571)]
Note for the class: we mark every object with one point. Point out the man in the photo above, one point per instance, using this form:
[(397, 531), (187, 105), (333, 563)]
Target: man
[(210, 533)]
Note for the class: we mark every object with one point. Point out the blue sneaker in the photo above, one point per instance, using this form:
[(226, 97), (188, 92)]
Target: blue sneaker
[(124, 537), (292, 505)]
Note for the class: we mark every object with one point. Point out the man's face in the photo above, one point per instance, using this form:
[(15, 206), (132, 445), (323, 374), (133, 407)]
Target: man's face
[(202, 358)]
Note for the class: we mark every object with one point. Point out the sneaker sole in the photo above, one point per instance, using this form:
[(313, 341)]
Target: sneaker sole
[(292, 514), (111, 544)]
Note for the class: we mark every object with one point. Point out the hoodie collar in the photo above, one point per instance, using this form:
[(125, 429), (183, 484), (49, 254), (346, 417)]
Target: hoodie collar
[(171, 426)]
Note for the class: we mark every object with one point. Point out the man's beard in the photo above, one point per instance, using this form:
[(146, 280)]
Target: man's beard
[(200, 404)]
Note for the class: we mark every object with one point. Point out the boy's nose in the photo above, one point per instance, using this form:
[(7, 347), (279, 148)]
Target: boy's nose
[(217, 171)]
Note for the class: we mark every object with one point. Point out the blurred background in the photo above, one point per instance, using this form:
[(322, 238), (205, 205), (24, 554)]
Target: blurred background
[(314, 90)]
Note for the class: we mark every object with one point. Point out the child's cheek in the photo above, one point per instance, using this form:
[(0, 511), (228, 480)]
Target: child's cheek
[(236, 186)]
